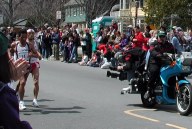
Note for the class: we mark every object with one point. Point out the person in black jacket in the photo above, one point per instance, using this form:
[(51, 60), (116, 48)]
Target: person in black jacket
[(88, 40), (48, 43), (9, 71), (155, 62)]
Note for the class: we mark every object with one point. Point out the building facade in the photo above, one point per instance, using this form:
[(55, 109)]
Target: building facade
[(130, 13), (75, 13)]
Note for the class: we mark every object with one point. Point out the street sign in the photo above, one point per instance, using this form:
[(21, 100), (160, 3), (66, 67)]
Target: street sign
[(58, 15)]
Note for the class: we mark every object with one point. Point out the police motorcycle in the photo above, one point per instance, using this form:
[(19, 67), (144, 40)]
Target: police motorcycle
[(167, 92)]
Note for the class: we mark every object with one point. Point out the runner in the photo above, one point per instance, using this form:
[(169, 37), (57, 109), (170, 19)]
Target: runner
[(23, 50), (34, 62)]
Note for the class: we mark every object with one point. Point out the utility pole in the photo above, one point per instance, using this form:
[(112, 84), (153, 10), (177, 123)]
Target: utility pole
[(136, 11)]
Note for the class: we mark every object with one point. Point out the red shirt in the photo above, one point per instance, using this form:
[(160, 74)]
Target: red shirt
[(140, 40), (104, 48)]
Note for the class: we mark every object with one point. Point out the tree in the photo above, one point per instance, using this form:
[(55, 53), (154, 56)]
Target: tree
[(95, 8), (38, 12), (161, 11), (9, 7)]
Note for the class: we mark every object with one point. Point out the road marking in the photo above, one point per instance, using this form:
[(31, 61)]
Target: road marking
[(175, 126), (130, 112)]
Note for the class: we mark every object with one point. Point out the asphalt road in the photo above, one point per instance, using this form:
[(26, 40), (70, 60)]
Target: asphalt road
[(80, 97)]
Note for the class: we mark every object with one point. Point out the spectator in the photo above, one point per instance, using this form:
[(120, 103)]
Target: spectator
[(146, 33), (76, 42), (176, 43), (139, 39), (84, 60), (56, 41), (124, 41), (83, 43), (88, 40), (118, 37), (9, 71), (40, 39), (114, 25), (66, 53), (48, 43)]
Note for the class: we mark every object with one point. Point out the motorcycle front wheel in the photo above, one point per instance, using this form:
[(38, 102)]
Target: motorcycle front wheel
[(184, 100), (149, 102)]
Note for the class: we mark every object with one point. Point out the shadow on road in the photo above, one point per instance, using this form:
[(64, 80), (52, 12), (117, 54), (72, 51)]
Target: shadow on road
[(166, 108), (43, 110), (40, 100)]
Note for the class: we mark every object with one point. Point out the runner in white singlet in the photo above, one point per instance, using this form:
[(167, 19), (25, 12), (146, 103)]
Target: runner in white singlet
[(23, 50)]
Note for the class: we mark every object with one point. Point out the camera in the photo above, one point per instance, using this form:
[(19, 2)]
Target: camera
[(122, 75)]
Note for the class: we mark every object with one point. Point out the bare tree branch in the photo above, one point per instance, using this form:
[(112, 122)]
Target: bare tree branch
[(17, 4)]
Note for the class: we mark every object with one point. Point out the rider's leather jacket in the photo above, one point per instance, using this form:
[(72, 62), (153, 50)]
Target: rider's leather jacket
[(157, 51)]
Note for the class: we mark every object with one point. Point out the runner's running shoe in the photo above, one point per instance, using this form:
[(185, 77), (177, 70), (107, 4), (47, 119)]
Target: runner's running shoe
[(21, 106), (35, 104)]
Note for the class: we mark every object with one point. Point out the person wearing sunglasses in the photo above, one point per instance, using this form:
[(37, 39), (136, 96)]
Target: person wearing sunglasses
[(157, 48), (10, 70)]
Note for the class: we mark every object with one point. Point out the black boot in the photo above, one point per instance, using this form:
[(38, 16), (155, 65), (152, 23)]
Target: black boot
[(108, 73), (149, 93)]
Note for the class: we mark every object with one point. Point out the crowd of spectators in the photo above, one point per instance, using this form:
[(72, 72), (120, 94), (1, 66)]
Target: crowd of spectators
[(72, 44)]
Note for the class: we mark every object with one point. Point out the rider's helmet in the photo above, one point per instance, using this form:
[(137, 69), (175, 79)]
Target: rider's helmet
[(161, 34)]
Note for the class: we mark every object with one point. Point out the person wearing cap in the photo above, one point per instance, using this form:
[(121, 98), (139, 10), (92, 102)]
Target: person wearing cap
[(160, 46), (130, 33), (10, 71)]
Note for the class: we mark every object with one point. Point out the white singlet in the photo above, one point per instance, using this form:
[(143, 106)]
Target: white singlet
[(22, 52)]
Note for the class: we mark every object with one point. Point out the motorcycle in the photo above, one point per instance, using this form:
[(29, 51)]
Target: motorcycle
[(167, 92)]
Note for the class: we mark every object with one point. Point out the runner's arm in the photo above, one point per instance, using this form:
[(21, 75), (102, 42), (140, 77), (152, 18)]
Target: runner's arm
[(34, 52)]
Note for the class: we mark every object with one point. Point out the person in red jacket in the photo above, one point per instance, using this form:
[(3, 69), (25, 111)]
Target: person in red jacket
[(139, 38)]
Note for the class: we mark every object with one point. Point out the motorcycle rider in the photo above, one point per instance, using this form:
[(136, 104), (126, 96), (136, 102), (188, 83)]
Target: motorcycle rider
[(157, 50), (138, 46)]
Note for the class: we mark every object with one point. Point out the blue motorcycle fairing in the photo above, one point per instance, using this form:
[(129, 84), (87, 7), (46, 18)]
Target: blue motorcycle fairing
[(183, 82), (167, 72)]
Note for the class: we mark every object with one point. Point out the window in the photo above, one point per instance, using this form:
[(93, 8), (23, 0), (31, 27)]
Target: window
[(74, 11), (127, 4), (67, 12), (71, 11), (140, 3), (82, 11), (78, 10), (121, 4)]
